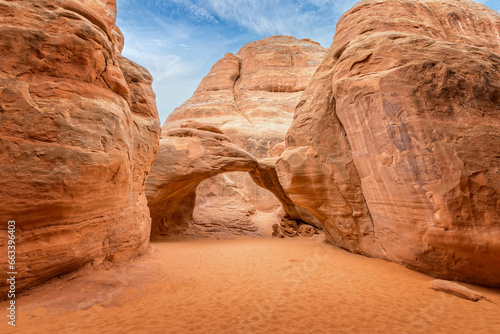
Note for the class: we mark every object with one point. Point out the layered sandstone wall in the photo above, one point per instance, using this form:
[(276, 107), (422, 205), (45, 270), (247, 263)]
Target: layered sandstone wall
[(251, 97), (79, 131), (395, 145)]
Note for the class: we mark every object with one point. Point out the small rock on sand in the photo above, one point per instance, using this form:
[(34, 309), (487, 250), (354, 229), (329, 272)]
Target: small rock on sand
[(457, 290)]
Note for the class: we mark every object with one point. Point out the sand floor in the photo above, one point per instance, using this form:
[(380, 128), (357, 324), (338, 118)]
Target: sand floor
[(251, 286)]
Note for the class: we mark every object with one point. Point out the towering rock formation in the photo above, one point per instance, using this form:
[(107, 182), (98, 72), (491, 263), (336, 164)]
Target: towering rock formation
[(251, 97), (187, 156), (79, 131), (395, 145)]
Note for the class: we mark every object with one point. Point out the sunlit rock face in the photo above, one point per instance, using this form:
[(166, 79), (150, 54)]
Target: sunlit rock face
[(395, 145), (79, 131), (251, 96)]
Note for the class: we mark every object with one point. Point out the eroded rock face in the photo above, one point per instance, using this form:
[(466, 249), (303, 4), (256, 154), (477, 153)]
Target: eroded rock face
[(187, 156), (251, 97), (191, 154), (79, 132), (395, 146), (292, 228)]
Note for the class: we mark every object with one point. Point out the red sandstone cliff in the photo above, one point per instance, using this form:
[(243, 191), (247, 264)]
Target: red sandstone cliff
[(395, 145), (79, 131)]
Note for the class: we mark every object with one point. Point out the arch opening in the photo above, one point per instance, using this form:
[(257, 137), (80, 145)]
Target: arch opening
[(200, 156)]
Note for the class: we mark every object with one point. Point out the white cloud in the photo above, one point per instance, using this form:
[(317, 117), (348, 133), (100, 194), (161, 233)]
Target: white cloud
[(179, 40), (314, 19)]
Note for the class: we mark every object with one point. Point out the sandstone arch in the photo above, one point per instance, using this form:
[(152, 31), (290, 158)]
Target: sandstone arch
[(187, 156)]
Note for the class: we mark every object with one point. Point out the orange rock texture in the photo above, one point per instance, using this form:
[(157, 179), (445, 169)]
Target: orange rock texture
[(187, 156), (190, 154), (251, 97), (79, 131), (395, 145)]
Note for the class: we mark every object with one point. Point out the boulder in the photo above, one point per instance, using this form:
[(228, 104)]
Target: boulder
[(395, 145)]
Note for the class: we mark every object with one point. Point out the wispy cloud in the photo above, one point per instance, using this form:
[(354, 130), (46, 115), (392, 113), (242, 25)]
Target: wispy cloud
[(270, 17), (179, 40), (196, 10)]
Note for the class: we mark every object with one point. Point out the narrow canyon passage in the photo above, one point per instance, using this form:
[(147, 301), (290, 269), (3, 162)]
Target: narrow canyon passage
[(246, 285), (291, 193)]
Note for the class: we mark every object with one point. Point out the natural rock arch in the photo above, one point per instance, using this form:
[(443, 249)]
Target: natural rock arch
[(187, 156)]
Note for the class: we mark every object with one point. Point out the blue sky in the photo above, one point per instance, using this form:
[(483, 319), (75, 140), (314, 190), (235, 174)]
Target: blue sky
[(178, 41)]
